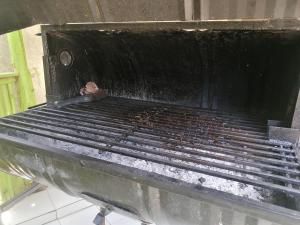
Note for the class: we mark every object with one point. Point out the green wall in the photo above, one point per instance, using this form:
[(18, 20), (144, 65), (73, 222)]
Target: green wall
[(16, 94)]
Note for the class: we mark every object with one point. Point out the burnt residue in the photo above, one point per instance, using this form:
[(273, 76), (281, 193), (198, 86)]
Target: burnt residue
[(254, 71)]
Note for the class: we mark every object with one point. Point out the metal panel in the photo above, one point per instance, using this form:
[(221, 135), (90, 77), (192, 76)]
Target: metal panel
[(15, 14), (251, 9)]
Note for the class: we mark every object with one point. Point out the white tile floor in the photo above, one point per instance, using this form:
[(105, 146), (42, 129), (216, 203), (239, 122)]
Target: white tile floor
[(53, 207)]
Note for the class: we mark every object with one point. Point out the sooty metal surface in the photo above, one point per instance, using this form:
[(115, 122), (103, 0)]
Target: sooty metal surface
[(223, 151)]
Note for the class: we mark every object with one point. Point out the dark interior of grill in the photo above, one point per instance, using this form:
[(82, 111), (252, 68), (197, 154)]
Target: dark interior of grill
[(235, 71)]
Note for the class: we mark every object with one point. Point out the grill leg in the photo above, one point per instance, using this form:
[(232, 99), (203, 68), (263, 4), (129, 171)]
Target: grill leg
[(100, 217)]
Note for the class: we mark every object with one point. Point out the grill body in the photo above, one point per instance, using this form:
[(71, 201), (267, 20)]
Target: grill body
[(182, 137)]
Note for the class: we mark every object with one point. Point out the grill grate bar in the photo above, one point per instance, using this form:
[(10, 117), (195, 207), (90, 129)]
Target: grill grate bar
[(239, 144), (178, 113), (226, 146), (191, 152), (152, 137), (79, 140), (179, 108), (141, 141), (108, 142), (203, 144), (212, 127), (209, 121), (110, 114), (171, 126)]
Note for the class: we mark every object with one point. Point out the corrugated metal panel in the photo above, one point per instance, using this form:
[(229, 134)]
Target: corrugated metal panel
[(245, 9), (16, 14)]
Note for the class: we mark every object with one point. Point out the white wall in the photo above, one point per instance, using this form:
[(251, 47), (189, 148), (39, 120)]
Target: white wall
[(34, 54)]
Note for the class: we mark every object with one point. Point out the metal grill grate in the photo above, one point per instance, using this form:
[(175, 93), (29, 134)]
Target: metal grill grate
[(229, 146)]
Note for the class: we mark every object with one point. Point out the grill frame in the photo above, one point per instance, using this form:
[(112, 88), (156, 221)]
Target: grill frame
[(112, 175), (114, 122)]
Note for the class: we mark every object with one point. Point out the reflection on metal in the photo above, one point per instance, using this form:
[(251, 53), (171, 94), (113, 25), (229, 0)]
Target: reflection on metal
[(18, 14), (16, 199), (11, 186)]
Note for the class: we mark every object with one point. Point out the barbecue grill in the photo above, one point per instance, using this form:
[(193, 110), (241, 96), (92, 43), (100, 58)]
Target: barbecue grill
[(196, 122)]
